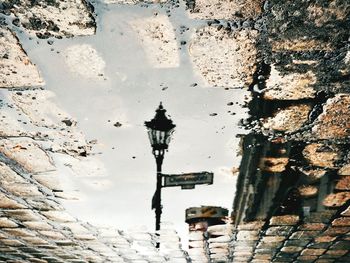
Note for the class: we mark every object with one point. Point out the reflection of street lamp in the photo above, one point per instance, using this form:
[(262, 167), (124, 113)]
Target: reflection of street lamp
[(160, 129)]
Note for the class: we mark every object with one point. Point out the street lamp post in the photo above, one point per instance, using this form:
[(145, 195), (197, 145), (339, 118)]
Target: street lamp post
[(160, 129)]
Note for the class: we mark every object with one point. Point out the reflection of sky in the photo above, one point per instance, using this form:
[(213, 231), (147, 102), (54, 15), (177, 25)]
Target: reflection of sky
[(130, 95)]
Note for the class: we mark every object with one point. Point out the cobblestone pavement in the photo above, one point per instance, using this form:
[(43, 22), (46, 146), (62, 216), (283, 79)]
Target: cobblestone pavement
[(292, 200)]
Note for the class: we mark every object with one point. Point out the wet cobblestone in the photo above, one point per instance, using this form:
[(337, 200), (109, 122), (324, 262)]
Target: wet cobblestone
[(292, 201)]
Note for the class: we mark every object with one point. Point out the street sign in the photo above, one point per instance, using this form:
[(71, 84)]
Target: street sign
[(187, 180)]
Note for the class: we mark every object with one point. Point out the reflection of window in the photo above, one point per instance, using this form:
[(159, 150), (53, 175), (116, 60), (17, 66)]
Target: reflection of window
[(306, 211)]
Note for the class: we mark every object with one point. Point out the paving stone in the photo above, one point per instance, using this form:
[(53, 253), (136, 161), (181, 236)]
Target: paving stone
[(323, 261), (320, 217), (43, 204), (265, 251), (38, 106), (63, 18), (307, 258), (329, 257), (86, 237), (323, 15), (49, 180), (335, 231), (308, 191), (278, 231), (158, 40), (22, 190), (8, 176), (247, 235), (273, 165), (58, 216), (342, 221), (11, 242), (37, 260), (7, 249), (10, 126), (271, 245), (299, 45), (281, 257), (66, 242), (344, 170), (3, 235), (320, 155), (275, 239), (19, 232), (5, 222), (262, 257), (29, 250), (337, 199), (312, 252), (346, 237), (22, 214), (297, 242), (344, 259), (312, 226), (304, 234), (291, 249), (76, 228), (228, 10), (295, 86), (37, 225), (244, 244), (241, 259), (47, 246), (16, 70), (315, 245), (220, 230), (284, 220), (325, 239), (254, 225), (7, 203), (341, 245), (224, 59), (289, 119), (28, 154), (334, 121), (337, 252), (196, 244), (221, 239), (346, 212), (52, 234), (242, 254), (343, 184), (85, 61)]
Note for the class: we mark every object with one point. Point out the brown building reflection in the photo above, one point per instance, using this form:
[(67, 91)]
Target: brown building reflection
[(292, 194), (275, 180)]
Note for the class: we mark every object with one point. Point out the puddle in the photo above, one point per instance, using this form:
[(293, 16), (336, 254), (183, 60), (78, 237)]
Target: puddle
[(112, 110), (278, 151)]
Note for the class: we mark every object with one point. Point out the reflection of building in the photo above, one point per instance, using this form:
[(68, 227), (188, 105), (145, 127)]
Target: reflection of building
[(291, 202), (274, 179), (260, 170)]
